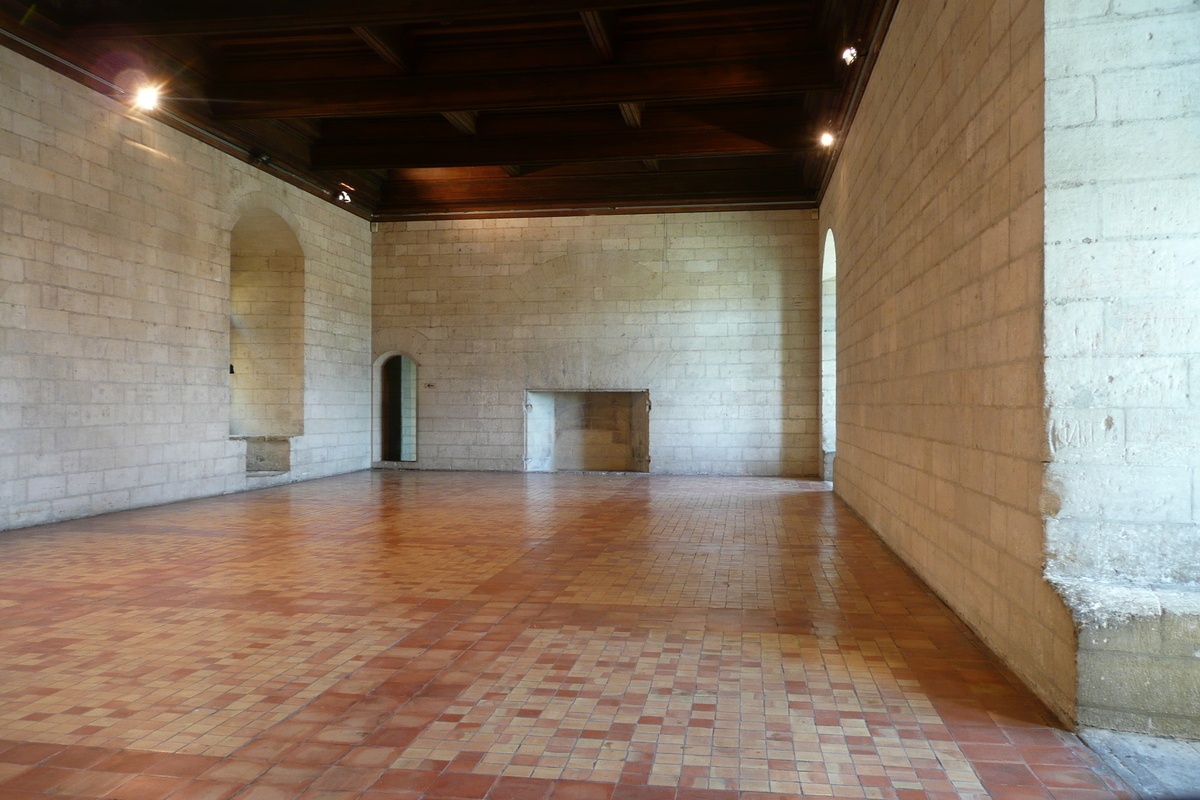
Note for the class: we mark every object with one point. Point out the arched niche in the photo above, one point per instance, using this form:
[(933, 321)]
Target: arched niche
[(395, 408), (828, 355), (266, 328)]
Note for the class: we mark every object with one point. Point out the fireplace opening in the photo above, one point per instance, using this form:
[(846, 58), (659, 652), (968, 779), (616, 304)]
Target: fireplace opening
[(602, 431)]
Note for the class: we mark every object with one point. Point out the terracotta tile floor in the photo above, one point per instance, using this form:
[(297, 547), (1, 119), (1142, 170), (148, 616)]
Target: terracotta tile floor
[(395, 636)]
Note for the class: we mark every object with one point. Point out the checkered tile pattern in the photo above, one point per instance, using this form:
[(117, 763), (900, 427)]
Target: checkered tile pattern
[(709, 710)]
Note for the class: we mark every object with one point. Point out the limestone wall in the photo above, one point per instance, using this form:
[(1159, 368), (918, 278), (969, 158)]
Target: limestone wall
[(1123, 352), (936, 205), (717, 315), (115, 302)]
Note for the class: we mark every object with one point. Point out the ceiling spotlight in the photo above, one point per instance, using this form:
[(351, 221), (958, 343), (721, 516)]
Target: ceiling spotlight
[(826, 139), (147, 98), (344, 197), (849, 55)]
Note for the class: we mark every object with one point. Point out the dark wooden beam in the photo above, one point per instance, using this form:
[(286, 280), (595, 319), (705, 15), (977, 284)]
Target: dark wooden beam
[(639, 145), (31, 19), (465, 121), (390, 45), (600, 30), (488, 54), (631, 113), (786, 115), (596, 86), (145, 18), (609, 192)]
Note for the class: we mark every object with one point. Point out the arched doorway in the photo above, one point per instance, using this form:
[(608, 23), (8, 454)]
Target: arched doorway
[(828, 356), (398, 410)]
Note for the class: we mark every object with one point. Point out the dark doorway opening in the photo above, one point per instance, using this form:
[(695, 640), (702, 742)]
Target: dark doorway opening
[(399, 413)]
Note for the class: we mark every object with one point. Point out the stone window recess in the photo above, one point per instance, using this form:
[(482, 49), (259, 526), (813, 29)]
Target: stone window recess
[(266, 340)]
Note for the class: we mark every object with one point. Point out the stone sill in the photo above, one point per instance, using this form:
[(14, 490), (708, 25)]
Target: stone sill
[(1099, 602)]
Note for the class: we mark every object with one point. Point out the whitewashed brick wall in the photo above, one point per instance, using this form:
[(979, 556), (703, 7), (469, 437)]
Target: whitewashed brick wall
[(114, 308), (716, 314), (1123, 351), (937, 209)]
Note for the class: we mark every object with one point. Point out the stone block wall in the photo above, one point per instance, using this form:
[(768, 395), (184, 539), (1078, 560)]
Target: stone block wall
[(115, 303), (1122, 351), (716, 314), (936, 205)]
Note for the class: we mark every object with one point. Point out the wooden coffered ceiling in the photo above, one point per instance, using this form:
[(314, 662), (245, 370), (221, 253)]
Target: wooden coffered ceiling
[(460, 108)]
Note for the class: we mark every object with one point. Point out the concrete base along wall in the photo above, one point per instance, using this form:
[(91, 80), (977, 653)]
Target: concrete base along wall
[(717, 315), (936, 205), (115, 309), (1122, 372)]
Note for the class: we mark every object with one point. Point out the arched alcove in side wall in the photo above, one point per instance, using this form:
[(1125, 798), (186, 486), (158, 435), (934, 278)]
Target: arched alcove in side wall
[(266, 337)]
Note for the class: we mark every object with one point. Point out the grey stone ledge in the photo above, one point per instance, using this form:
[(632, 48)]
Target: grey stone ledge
[(1104, 603)]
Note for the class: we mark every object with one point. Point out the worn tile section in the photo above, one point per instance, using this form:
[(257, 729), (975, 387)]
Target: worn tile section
[(189, 680), (195, 640), (705, 710)]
